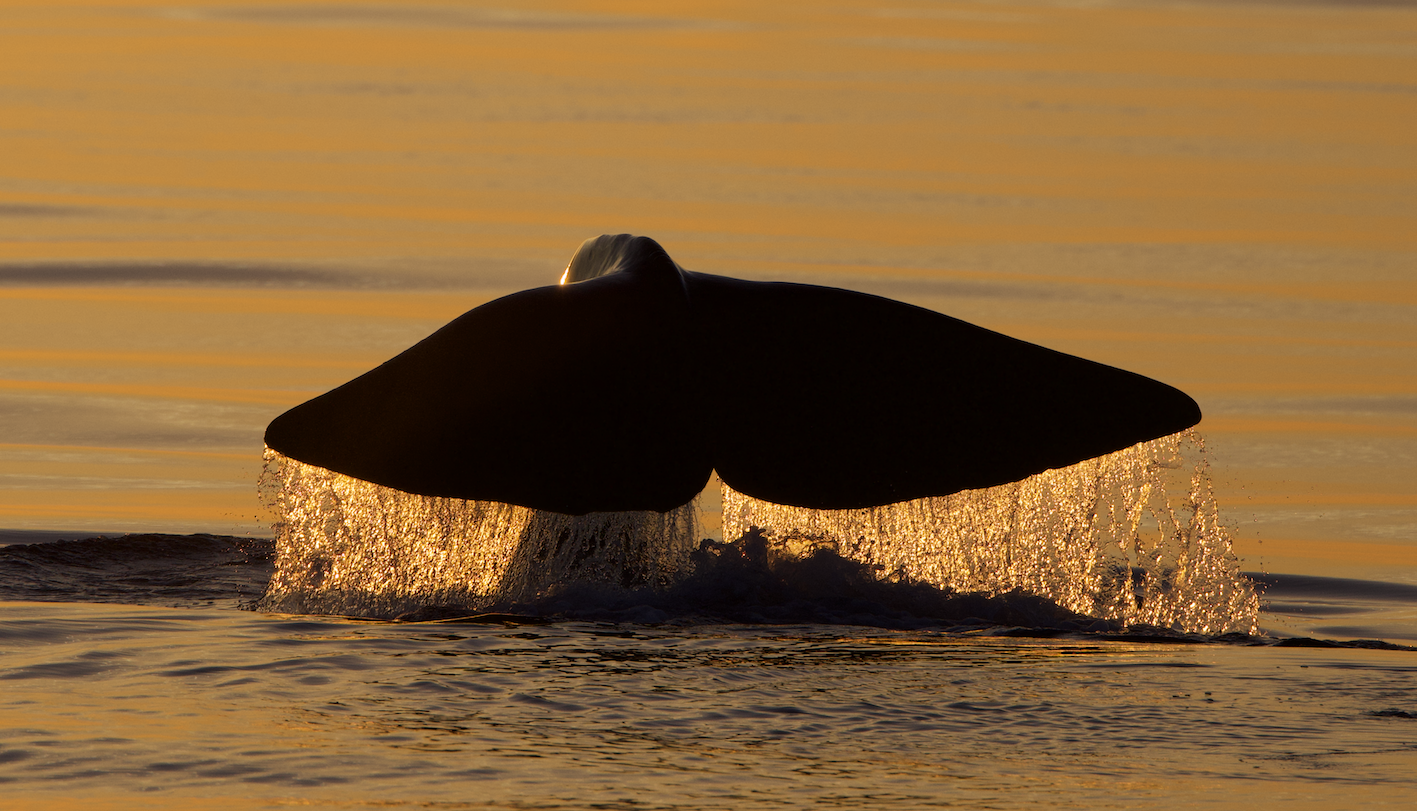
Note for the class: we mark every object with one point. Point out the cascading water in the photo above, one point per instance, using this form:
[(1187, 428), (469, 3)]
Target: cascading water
[(346, 546), (1133, 536)]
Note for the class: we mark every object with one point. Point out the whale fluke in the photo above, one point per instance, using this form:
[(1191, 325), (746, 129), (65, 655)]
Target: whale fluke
[(625, 386)]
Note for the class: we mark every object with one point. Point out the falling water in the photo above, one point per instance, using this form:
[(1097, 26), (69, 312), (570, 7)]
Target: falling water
[(346, 546), (1133, 536)]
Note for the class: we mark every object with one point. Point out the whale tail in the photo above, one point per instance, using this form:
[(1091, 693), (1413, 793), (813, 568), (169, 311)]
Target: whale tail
[(625, 386)]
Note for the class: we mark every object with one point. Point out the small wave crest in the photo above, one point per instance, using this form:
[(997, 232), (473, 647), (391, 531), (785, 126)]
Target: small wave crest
[(142, 569), (1128, 539)]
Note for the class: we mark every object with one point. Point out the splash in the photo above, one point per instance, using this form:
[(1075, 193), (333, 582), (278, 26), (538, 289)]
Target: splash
[(346, 546), (1133, 536)]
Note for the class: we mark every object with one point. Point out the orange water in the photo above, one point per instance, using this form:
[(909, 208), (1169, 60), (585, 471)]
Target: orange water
[(210, 212), (132, 707)]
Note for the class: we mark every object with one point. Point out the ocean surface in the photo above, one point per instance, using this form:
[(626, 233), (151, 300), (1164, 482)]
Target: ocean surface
[(136, 675), (213, 210)]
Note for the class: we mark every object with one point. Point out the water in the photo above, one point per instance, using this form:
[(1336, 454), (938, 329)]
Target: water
[(130, 706), (351, 547), (208, 216), (1133, 537), (778, 669)]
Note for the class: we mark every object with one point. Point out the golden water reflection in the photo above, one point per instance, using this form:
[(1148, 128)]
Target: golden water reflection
[(210, 212)]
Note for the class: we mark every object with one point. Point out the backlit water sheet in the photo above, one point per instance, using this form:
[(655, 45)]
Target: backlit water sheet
[(1133, 537)]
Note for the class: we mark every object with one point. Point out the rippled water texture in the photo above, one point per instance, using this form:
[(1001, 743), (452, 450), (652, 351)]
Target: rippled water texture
[(183, 708), (211, 211)]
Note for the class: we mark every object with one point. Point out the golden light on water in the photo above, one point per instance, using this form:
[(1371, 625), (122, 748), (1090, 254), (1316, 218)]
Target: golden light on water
[(1076, 535), (210, 212)]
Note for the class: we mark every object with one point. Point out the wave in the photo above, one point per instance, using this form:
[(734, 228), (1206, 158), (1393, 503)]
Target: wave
[(1310, 587), (142, 569)]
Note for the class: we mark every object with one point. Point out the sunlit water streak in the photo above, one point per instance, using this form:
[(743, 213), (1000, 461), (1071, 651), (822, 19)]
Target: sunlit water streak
[(1133, 537)]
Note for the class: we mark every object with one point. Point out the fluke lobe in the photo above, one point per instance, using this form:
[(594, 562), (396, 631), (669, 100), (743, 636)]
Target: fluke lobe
[(623, 387)]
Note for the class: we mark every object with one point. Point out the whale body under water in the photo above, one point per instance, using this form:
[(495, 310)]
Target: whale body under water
[(628, 384)]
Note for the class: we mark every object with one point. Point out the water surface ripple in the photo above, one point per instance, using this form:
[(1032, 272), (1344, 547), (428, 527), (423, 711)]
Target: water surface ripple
[(153, 706)]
